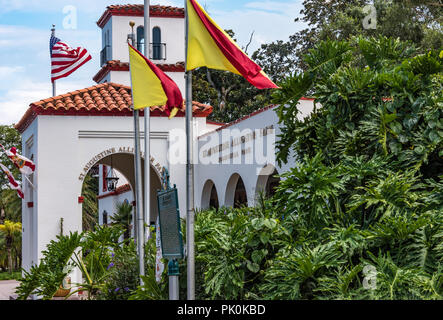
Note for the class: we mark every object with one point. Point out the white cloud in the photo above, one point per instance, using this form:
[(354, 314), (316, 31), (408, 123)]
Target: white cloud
[(290, 9), (270, 21), (86, 6), (6, 71), (24, 73), (16, 101)]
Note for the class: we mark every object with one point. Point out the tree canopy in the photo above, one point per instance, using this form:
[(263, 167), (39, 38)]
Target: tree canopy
[(419, 22), (10, 203)]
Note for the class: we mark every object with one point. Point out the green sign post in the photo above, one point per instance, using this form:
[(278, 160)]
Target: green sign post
[(170, 232)]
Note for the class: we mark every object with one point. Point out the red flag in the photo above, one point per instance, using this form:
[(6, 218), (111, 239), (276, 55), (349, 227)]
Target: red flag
[(151, 86), (210, 46), (25, 165), (12, 182)]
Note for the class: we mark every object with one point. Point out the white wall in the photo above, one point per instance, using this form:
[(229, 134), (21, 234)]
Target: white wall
[(221, 174), (172, 33), (63, 146)]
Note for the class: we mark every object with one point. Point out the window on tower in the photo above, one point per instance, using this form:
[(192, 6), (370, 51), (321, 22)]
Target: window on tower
[(141, 39)]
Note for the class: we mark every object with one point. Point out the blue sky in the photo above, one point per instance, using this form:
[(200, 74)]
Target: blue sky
[(25, 30)]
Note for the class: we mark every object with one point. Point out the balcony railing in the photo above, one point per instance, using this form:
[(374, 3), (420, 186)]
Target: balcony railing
[(157, 51)]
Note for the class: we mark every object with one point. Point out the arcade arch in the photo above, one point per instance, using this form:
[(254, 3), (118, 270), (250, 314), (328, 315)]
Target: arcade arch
[(236, 195), (209, 196), (267, 181), (124, 164)]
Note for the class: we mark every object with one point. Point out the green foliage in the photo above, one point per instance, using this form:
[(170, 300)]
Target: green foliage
[(90, 204), (367, 190), (123, 276), (234, 246), (8, 276), (123, 217), (94, 257), (230, 94), (151, 289), (44, 279), (10, 203), (415, 21)]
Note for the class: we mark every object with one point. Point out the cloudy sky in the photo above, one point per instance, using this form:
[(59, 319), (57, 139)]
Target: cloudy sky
[(25, 30)]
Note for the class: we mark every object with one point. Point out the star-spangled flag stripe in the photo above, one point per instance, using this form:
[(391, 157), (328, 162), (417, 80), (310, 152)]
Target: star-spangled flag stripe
[(64, 59)]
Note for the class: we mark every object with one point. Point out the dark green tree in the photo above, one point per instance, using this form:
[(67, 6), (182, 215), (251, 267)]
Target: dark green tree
[(10, 203), (123, 217), (417, 21), (230, 94), (90, 204), (367, 189)]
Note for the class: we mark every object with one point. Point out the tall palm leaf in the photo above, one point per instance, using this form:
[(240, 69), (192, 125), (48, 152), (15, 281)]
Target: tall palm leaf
[(90, 204), (10, 229), (123, 217)]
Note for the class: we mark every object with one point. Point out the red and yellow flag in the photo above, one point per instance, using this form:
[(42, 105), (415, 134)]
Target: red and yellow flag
[(22, 163), (151, 86), (210, 46), (14, 184)]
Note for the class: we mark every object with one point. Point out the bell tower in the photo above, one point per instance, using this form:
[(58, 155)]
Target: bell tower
[(166, 50)]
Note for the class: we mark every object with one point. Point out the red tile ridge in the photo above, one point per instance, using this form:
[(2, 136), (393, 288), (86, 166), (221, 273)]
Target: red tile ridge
[(105, 99), (138, 10), (122, 189), (117, 65)]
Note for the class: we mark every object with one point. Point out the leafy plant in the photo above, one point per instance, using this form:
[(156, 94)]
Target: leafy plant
[(44, 279)]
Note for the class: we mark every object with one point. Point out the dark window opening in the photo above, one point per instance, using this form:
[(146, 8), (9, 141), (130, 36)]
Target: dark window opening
[(156, 43), (240, 197), (105, 218), (141, 39), (213, 200)]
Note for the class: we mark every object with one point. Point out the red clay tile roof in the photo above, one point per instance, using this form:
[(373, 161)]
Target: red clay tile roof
[(122, 189), (138, 10), (117, 65), (106, 99)]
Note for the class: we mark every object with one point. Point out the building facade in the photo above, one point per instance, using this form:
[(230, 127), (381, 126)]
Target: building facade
[(91, 129)]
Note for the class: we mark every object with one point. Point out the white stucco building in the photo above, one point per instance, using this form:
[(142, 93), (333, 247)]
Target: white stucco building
[(69, 135)]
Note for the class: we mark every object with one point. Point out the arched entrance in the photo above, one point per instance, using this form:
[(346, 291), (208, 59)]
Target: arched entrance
[(267, 181), (209, 196), (236, 195), (124, 164)]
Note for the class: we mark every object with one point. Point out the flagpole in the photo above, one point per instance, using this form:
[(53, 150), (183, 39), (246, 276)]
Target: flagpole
[(138, 182), (53, 82), (190, 244), (147, 124)]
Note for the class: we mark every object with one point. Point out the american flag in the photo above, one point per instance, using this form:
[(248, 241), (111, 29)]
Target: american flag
[(65, 60)]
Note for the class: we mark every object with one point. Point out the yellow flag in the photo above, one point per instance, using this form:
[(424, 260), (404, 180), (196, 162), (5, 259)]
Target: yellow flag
[(210, 46), (147, 90)]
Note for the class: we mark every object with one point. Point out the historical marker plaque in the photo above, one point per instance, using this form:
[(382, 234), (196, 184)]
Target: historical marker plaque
[(170, 229)]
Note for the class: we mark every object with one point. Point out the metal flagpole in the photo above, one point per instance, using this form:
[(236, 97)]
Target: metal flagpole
[(138, 182), (190, 245), (53, 82), (147, 123)]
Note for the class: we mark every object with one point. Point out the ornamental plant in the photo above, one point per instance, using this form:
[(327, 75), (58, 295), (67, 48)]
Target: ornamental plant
[(367, 187)]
